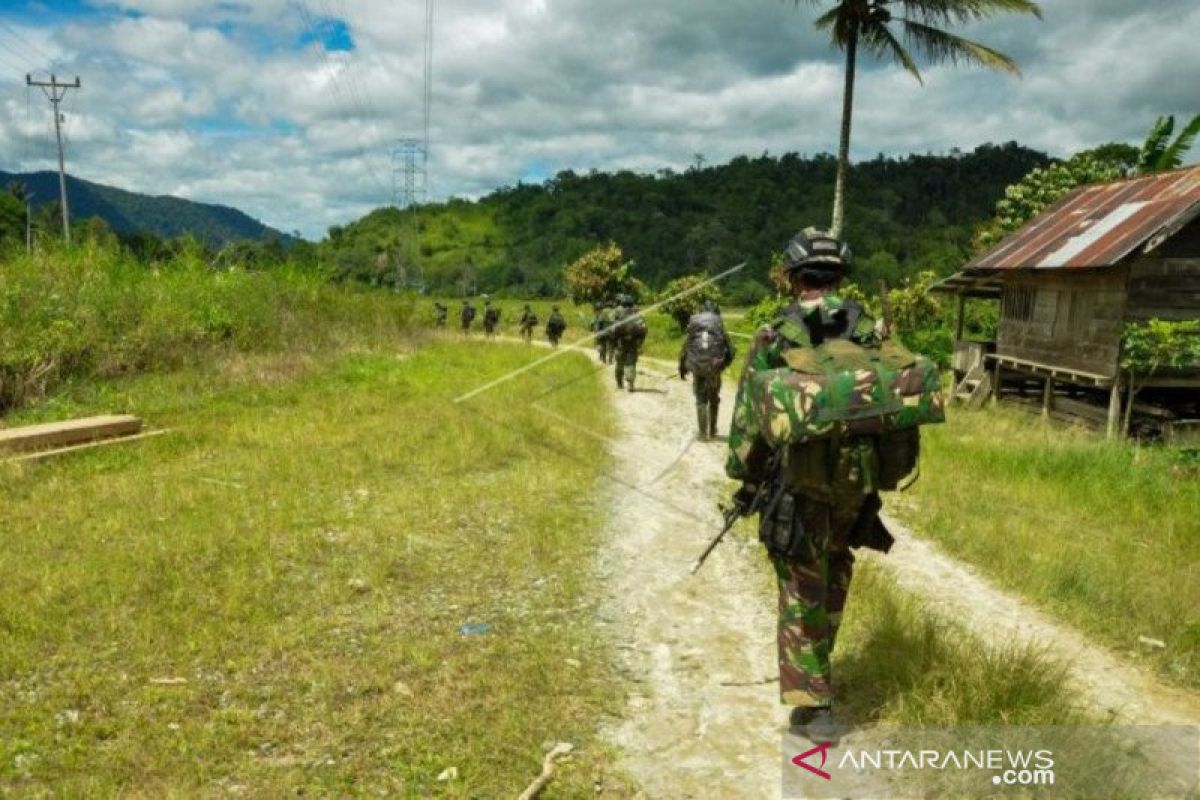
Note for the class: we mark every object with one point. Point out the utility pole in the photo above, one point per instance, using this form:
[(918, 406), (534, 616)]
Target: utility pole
[(55, 92), (409, 166), (29, 223)]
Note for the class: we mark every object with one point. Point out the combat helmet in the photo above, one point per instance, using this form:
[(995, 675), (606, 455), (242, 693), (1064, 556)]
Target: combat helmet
[(818, 251)]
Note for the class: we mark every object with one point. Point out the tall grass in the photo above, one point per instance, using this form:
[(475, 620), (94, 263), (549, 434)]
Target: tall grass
[(96, 312), (1106, 535)]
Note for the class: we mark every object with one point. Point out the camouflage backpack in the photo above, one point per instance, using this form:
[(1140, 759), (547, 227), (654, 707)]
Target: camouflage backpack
[(631, 326), (846, 411), (705, 353), (556, 324)]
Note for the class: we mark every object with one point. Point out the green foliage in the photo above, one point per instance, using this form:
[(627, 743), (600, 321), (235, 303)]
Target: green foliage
[(599, 275), (681, 309), (768, 310), (1159, 153), (1147, 347), (1045, 186), (919, 210), (95, 311)]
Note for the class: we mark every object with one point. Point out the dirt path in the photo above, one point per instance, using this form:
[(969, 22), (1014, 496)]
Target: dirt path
[(704, 720)]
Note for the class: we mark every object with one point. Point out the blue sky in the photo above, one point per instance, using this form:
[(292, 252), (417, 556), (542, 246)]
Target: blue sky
[(289, 109)]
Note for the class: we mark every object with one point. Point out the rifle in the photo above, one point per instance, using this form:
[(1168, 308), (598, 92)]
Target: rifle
[(734, 513), (885, 306)]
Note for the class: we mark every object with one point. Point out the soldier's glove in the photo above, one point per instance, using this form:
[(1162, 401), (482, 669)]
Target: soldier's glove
[(743, 498)]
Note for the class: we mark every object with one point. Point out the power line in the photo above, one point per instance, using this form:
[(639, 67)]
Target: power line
[(39, 53), (55, 92)]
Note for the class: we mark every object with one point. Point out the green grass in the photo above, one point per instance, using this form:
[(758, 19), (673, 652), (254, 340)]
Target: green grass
[(296, 560), (1105, 535), (93, 312), (898, 662)]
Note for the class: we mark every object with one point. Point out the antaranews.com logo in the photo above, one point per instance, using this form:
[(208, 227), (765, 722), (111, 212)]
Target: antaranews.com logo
[(1009, 767), (1089, 762)]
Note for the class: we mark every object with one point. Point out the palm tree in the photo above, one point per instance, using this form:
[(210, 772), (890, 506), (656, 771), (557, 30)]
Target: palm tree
[(1159, 153), (870, 23)]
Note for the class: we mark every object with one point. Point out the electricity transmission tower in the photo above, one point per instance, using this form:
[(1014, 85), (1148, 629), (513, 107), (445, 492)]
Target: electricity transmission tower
[(408, 187), (55, 92)]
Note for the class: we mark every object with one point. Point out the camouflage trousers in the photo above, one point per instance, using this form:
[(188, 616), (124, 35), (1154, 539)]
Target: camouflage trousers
[(626, 365), (813, 585), (707, 389)]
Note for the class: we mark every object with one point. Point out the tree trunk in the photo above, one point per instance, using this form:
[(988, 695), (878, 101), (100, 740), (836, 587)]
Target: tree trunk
[(843, 165)]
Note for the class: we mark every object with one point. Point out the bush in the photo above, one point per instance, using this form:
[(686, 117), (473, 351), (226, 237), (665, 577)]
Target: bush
[(95, 311)]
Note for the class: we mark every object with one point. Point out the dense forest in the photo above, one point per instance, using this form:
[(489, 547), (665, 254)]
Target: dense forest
[(905, 214)]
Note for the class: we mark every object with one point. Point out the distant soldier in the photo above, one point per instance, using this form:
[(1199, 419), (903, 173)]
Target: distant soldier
[(608, 348), (628, 332), (440, 311), (466, 316), (528, 322), (555, 326), (706, 352), (491, 318)]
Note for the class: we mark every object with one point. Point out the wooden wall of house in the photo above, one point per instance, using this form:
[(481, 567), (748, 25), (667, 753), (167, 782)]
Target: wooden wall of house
[(1166, 283), (1066, 318)]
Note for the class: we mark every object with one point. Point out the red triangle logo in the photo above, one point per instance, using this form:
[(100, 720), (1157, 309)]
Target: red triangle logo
[(823, 749)]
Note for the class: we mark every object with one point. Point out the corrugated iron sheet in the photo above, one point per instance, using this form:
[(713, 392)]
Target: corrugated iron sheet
[(1097, 226)]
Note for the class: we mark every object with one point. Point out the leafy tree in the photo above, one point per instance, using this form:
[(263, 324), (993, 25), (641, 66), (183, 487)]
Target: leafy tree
[(1043, 187), (1159, 152), (869, 23), (12, 218), (599, 276), (681, 308), (1147, 347)]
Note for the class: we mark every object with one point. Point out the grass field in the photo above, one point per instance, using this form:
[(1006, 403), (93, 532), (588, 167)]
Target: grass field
[(1105, 535), (270, 600)]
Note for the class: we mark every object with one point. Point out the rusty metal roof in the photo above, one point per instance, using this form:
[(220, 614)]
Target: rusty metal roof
[(1097, 226)]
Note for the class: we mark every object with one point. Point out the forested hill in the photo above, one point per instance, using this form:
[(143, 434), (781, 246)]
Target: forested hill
[(916, 212), (132, 213)]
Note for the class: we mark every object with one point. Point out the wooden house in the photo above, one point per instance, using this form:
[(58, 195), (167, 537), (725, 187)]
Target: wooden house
[(1069, 282)]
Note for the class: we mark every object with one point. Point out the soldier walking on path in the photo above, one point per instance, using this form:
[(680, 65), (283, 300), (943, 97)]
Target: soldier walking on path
[(466, 316), (491, 318), (555, 326), (440, 311), (814, 479), (706, 352), (528, 322), (627, 334), (600, 325)]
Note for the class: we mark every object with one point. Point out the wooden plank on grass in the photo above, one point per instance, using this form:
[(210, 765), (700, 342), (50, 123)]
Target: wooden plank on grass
[(39, 455), (55, 435)]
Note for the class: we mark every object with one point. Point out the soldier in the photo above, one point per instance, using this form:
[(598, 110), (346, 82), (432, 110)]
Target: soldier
[(823, 491), (628, 332), (600, 323), (440, 311), (607, 315), (491, 318), (466, 316), (706, 352), (555, 326), (528, 322)]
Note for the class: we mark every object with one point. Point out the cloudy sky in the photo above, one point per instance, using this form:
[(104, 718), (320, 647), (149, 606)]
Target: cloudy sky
[(289, 109)]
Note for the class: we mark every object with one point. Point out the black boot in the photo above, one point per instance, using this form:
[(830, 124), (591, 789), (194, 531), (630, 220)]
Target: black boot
[(815, 724), (702, 421), (712, 419)]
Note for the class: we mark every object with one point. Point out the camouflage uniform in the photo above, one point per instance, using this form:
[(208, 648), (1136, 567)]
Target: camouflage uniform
[(466, 316), (529, 321), (440, 311), (816, 518), (604, 344), (706, 388), (626, 344)]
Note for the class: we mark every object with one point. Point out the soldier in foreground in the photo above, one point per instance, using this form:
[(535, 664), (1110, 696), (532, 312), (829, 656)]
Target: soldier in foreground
[(706, 352), (491, 318), (826, 416), (528, 322), (555, 326), (440, 312), (627, 334), (466, 316)]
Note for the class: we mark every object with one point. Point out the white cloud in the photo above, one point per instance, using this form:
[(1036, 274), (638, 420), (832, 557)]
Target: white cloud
[(215, 100)]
